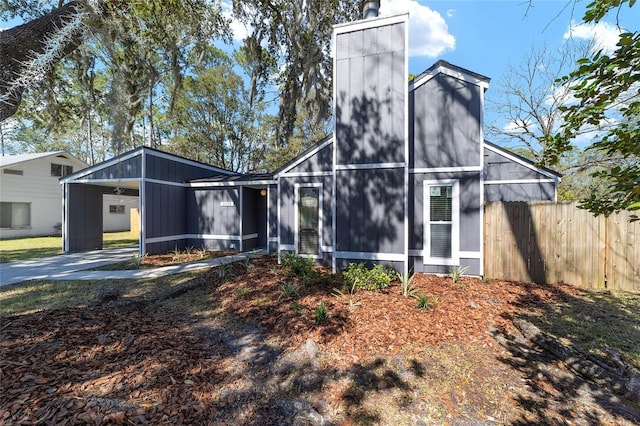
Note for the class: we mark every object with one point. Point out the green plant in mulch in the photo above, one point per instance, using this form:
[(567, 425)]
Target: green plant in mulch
[(457, 272), (297, 266), (203, 251), (288, 289), (426, 301), (321, 313), (137, 260), (297, 307), (225, 272), (346, 297), (407, 287), (376, 278)]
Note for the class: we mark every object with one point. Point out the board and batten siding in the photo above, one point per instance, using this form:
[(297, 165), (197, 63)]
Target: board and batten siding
[(214, 213), (370, 141)]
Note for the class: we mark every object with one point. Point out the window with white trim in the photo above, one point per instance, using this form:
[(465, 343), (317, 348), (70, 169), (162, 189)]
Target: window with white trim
[(441, 222), (60, 170), (116, 209), (15, 215)]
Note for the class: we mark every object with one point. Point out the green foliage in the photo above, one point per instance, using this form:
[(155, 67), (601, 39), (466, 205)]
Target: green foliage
[(457, 272), (346, 296), (426, 301), (242, 292), (225, 272), (203, 251), (288, 289), (321, 313), (297, 307), (608, 100), (407, 287), (137, 260), (377, 278), (297, 266)]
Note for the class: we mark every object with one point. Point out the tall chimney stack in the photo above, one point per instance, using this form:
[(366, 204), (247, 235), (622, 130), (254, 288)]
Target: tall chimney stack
[(370, 9)]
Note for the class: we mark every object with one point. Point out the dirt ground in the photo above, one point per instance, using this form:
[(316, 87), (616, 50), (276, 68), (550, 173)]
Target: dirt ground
[(258, 356)]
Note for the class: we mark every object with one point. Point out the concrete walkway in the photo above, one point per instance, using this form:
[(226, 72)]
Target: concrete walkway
[(74, 266)]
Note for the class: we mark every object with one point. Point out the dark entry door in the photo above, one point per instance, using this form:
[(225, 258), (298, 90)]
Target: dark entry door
[(308, 214)]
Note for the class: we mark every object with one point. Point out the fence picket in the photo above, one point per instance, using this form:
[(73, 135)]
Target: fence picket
[(557, 242)]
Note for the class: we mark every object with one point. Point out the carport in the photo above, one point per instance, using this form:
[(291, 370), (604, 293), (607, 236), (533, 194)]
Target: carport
[(159, 179)]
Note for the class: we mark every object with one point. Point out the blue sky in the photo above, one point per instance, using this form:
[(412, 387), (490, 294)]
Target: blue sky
[(488, 36)]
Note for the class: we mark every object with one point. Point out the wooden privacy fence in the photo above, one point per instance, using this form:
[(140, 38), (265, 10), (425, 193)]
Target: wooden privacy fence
[(557, 242)]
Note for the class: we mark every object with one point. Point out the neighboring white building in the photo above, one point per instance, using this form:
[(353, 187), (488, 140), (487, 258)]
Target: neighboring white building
[(116, 212), (31, 195)]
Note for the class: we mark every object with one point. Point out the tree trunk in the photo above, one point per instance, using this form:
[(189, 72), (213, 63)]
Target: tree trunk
[(24, 42)]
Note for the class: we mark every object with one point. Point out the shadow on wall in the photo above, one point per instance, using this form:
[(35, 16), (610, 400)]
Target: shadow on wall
[(369, 202)]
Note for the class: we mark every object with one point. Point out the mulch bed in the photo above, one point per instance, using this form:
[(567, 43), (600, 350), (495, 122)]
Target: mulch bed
[(116, 364)]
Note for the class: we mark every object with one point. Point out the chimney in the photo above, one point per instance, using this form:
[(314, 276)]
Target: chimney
[(370, 9)]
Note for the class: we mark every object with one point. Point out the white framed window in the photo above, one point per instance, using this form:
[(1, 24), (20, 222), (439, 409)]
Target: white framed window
[(60, 170), (442, 222), (15, 215), (308, 219)]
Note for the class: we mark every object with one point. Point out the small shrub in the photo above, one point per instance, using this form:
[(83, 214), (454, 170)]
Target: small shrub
[(406, 285), (242, 292), (426, 301), (288, 289), (297, 266), (202, 251), (176, 254), (320, 313), (225, 272), (137, 260), (374, 279), (346, 297), (297, 307), (457, 272), (314, 277)]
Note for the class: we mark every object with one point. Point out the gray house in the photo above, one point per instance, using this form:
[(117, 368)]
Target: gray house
[(402, 179)]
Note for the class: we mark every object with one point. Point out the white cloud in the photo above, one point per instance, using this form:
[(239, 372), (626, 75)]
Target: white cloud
[(604, 35), (451, 12), (239, 31), (428, 31)]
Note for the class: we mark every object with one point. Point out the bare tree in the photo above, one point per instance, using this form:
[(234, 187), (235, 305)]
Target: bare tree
[(528, 99)]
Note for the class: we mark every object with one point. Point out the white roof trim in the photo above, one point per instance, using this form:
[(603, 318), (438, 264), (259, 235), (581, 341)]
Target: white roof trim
[(24, 158), (230, 183), (443, 69), (99, 166), (506, 154), (172, 157), (305, 157), (370, 23)]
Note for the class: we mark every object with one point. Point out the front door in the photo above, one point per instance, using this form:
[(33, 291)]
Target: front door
[(308, 214)]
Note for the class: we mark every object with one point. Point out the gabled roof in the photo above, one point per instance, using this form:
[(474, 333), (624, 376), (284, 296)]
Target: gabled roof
[(138, 152), (444, 67), (12, 160), (521, 160), (327, 140)]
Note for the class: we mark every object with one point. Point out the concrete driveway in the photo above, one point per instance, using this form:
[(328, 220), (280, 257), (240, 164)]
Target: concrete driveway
[(74, 266)]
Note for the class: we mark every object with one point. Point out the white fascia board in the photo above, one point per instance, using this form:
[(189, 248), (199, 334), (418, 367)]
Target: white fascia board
[(101, 166), (362, 255), (451, 73), (369, 166), (305, 157), (474, 169), (518, 181), (514, 158), (227, 184), (364, 24), (177, 159)]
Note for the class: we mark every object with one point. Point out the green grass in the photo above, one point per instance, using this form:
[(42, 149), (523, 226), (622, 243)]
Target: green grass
[(16, 249), (595, 321), (32, 296)]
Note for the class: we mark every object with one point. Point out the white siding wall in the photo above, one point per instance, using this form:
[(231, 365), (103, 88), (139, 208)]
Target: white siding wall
[(115, 221), (37, 187)]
